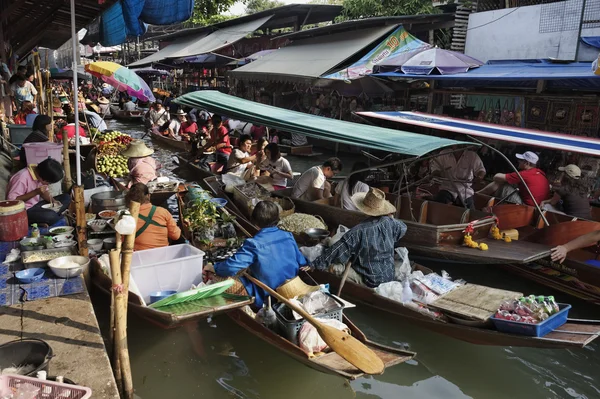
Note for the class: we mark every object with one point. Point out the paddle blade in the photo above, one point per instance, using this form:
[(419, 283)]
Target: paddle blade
[(351, 349)]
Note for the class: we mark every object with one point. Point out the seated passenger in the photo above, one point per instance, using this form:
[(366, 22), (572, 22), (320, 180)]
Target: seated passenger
[(571, 197), (313, 184), (350, 186)]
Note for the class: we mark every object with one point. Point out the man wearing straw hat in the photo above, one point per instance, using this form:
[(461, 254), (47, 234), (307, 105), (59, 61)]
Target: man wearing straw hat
[(142, 167), (370, 244)]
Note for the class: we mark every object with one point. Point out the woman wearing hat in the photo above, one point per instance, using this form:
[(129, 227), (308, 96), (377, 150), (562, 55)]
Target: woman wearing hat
[(142, 167), (571, 195), (174, 129), (272, 256), (104, 106), (370, 244)]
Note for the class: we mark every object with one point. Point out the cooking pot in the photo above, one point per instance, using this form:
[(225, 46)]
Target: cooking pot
[(113, 200)]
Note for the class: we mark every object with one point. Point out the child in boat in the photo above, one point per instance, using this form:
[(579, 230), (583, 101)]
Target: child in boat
[(370, 244), (271, 256)]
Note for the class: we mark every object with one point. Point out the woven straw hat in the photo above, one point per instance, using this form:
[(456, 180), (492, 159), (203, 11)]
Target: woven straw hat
[(373, 203), (56, 103), (103, 100), (295, 287), (95, 108), (137, 149)]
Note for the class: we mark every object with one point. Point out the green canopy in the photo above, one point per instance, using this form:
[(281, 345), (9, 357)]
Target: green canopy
[(378, 138)]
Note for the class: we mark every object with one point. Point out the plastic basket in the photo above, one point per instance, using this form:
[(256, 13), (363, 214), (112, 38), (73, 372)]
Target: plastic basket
[(534, 330), (38, 152), (18, 133), (290, 327), (10, 383)]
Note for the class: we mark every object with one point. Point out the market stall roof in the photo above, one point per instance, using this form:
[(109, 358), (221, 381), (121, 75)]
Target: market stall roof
[(412, 23), (513, 73), (538, 138), (306, 60), (202, 43), (282, 17), (389, 140), (32, 23)]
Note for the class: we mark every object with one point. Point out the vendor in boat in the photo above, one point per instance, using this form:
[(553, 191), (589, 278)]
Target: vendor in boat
[(219, 137), (69, 129), (42, 126), (157, 115), (155, 225), (104, 105), (174, 129), (94, 120), (313, 184), (30, 185), (271, 256), (370, 244), (571, 195), (508, 186), (354, 184), (458, 168), (142, 167), (276, 166), (240, 159)]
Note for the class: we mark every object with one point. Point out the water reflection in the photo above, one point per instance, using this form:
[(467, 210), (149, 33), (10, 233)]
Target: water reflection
[(218, 359)]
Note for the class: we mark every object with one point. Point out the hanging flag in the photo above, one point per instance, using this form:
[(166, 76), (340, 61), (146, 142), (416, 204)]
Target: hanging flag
[(397, 42)]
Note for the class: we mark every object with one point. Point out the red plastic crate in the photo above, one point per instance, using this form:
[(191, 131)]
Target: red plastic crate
[(10, 383)]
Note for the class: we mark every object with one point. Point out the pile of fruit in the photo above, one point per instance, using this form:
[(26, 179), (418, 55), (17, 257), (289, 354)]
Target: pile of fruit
[(114, 136), (113, 165)]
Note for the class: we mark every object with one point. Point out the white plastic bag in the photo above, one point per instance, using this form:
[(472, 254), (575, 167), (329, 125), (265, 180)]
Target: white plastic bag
[(310, 340), (402, 264), (126, 225), (341, 230), (317, 302), (391, 290), (312, 253)]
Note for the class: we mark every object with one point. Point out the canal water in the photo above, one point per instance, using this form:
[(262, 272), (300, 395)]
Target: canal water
[(218, 359)]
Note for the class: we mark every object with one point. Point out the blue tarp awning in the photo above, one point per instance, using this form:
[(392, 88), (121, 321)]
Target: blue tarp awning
[(538, 138), (523, 74), (593, 41)]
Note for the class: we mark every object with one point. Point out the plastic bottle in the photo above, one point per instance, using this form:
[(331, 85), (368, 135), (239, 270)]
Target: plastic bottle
[(552, 302), (35, 232), (407, 294), (545, 305)]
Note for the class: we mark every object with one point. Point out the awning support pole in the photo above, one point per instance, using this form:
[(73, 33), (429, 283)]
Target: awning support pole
[(75, 43)]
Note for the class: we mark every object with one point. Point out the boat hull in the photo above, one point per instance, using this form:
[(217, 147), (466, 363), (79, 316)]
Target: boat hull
[(180, 145)]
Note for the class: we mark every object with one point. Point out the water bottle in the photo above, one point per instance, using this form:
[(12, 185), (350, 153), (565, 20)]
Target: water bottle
[(35, 231), (407, 294)]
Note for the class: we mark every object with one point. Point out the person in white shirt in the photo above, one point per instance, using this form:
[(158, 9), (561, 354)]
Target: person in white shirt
[(313, 184), (175, 125), (240, 159), (459, 169), (352, 185), (129, 105), (278, 167)]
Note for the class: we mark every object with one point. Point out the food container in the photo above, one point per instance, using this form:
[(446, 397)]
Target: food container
[(68, 266), (108, 200), (534, 330), (220, 202), (30, 275), (61, 230), (63, 237), (98, 224), (89, 217), (107, 214), (55, 207), (95, 244), (44, 263), (159, 295), (109, 243), (65, 244), (32, 244), (317, 234)]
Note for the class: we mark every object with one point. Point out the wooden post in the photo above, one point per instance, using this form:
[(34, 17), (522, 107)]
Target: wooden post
[(66, 162), (49, 99), (116, 299), (121, 307), (81, 223), (38, 78)]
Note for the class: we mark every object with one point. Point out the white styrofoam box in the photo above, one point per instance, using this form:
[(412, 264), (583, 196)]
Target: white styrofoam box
[(175, 267)]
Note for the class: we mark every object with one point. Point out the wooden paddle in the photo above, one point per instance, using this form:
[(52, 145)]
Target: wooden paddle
[(345, 345)]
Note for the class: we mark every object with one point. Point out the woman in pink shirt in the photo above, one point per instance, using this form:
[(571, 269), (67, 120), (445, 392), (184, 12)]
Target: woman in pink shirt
[(30, 185), (142, 167)]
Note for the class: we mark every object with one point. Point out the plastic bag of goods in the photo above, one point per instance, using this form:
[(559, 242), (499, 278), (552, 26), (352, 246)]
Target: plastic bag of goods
[(391, 290), (317, 302), (341, 230), (402, 268), (312, 253), (422, 293), (310, 340), (126, 225)]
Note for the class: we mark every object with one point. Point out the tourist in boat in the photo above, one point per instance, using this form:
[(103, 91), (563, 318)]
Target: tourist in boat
[(189, 127), (277, 166), (271, 256), (571, 196), (69, 129), (458, 169), (42, 126), (129, 105), (30, 185), (354, 184), (261, 144), (240, 159), (142, 167), (313, 184), (104, 105), (509, 187), (559, 253), (219, 136), (370, 244), (174, 129), (155, 225), (158, 115)]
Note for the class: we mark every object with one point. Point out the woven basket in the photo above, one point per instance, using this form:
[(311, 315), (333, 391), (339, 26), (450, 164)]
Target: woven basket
[(286, 204), (295, 287)]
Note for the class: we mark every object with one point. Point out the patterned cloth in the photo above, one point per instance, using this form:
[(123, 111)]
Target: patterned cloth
[(370, 246)]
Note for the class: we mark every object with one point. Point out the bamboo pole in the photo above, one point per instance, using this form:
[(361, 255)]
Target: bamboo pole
[(116, 299), (38, 78), (49, 99), (81, 223), (66, 162)]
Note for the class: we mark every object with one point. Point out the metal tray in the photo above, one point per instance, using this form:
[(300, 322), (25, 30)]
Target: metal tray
[(44, 263)]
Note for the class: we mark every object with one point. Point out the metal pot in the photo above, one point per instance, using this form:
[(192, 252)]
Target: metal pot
[(113, 200)]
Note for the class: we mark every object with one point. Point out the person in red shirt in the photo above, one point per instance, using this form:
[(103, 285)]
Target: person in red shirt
[(188, 127), (69, 129), (220, 138), (509, 186)]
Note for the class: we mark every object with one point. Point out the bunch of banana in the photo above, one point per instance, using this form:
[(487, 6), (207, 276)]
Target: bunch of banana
[(468, 241)]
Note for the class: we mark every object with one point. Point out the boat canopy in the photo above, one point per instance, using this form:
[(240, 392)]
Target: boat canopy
[(364, 136), (538, 138)]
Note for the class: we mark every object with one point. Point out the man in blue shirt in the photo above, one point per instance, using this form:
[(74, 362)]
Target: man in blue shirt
[(271, 256), (370, 244)]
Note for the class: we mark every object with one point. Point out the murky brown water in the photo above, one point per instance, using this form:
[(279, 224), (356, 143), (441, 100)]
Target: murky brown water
[(218, 359)]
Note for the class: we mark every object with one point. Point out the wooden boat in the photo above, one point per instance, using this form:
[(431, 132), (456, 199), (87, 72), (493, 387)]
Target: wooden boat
[(330, 363), (119, 114), (575, 333), (180, 145), (176, 315)]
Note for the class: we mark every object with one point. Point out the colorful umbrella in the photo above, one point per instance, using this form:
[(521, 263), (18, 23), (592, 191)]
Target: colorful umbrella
[(121, 78)]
